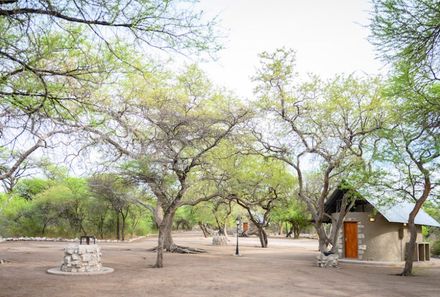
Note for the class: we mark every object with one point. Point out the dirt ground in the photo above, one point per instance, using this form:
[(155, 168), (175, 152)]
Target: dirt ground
[(286, 268)]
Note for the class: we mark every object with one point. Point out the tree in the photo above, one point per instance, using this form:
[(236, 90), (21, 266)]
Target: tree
[(411, 148), (433, 209), (406, 33), (71, 34), (326, 124), (9, 181), (117, 193), (295, 213), (409, 31), (221, 211), (77, 204), (28, 188), (163, 128), (98, 214), (257, 185), (49, 207), (53, 54)]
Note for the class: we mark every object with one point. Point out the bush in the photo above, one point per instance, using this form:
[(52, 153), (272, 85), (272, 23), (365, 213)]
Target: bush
[(435, 250)]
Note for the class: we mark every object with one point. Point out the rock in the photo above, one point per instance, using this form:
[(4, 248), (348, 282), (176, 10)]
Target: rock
[(220, 240), (81, 258), (75, 257), (326, 261), (86, 257)]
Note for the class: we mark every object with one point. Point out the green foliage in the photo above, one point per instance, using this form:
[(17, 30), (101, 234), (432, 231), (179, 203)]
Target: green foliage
[(435, 249), (63, 207), (406, 31), (294, 212), (29, 188), (433, 209), (185, 218)]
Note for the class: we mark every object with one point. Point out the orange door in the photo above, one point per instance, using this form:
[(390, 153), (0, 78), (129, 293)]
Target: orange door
[(351, 240), (245, 227)]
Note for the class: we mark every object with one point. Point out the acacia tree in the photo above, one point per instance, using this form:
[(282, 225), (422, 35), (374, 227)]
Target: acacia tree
[(221, 211), (53, 54), (79, 38), (410, 146), (407, 34), (324, 125), (11, 180), (293, 212), (414, 156), (164, 128), (116, 192), (408, 31), (257, 185)]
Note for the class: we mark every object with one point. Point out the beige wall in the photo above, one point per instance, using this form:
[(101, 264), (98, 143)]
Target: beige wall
[(378, 240)]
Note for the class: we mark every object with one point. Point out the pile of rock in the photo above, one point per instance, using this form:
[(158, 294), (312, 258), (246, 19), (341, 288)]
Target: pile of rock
[(327, 260), (219, 239), (82, 258)]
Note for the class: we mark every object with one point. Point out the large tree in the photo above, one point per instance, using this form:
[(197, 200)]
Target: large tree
[(408, 154), (409, 31), (53, 54), (407, 35), (258, 185), (118, 193), (294, 212), (164, 127), (318, 128)]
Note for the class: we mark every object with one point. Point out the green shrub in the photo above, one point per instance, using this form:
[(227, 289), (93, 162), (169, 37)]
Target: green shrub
[(436, 248)]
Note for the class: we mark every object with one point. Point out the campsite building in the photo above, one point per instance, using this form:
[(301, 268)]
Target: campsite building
[(378, 232)]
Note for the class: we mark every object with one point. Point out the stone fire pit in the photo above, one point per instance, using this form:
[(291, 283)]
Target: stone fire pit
[(81, 260)]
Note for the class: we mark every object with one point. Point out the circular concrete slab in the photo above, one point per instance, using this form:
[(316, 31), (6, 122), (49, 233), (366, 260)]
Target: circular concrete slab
[(56, 270)]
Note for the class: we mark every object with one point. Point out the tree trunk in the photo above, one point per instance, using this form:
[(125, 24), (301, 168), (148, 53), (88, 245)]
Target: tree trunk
[(296, 231), (124, 219), (168, 239), (289, 231), (101, 228), (323, 241), (204, 229), (165, 240), (82, 229), (225, 231), (263, 237), (44, 229), (280, 228), (160, 246), (123, 228), (407, 270), (118, 232)]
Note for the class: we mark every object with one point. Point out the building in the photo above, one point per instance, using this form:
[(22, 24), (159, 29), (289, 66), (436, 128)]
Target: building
[(378, 232)]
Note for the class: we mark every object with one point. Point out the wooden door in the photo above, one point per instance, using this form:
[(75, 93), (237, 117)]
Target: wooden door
[(351, 240)]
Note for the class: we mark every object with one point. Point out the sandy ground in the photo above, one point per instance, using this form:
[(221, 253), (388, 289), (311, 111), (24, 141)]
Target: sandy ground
[(286, 268)]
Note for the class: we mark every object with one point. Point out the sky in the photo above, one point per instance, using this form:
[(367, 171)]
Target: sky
[(329, 37)]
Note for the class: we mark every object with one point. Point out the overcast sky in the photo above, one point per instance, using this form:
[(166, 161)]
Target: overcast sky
[(329, 37)]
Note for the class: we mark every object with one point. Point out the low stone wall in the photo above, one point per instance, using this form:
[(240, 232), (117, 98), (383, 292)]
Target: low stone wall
[(82, 258), (59, 239)]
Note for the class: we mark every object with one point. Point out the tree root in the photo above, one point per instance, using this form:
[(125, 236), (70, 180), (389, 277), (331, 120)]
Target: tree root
[(178, 249)]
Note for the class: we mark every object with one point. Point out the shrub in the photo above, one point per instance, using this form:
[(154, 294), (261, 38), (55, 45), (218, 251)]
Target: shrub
[(436, 248)]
